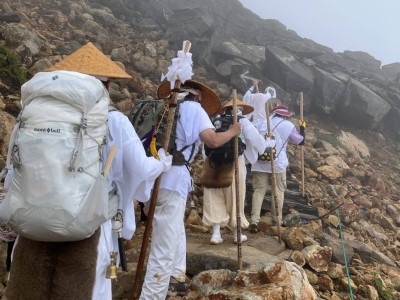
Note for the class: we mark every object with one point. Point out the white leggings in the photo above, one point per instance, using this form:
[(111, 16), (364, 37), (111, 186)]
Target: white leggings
[(168, 246)]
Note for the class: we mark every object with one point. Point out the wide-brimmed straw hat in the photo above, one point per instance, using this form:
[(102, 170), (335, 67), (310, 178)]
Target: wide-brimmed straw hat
[(209, 99), (246, 107), (91, 61), (281, 110)]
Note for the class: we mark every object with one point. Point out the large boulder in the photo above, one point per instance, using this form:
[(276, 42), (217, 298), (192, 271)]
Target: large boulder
[(365, 60), (189, 23), (327, 91), (362, 107), (292, 75), (17, 34), (392, 71), (281, 280), (10, 17), (251, 53)]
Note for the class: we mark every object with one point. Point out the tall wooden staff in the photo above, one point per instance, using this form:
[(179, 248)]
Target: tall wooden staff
[(256, 85), (237, 194), (273, 180), (154, 195), (302, 148)]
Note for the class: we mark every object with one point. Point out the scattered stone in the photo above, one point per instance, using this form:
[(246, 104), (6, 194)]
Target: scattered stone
[(317, 257), (294, 238), (325, 283), (335, 271), (298, 258), (338, 255), (349, 213)]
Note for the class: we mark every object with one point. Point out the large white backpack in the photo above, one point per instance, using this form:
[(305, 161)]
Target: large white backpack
[(58, 192)]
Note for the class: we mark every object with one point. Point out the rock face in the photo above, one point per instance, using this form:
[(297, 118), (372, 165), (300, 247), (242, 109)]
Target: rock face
[(350, 86)]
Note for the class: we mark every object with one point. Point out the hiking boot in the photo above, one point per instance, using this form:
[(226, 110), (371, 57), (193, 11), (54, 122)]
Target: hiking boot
[(215, 240), (242, 239), (176, 288), (253, 228)]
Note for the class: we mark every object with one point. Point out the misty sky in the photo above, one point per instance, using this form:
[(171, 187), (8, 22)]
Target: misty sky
[(358, 25)]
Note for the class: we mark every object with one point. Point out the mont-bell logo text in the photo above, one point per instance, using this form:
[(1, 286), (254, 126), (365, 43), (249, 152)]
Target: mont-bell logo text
[(47, 130)]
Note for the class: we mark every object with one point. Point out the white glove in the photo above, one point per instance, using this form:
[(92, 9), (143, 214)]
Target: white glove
[(166, 160), (270, 143)]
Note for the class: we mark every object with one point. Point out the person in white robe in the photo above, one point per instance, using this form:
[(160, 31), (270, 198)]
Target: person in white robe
[(77, 270), (219, 208), (284, 132), (166, 267), (258, 100), (134, 174)]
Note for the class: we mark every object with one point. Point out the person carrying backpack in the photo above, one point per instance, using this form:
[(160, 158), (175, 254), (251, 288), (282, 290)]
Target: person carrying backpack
[(284, 132), (166, 267), (219, 207), (77, 269)]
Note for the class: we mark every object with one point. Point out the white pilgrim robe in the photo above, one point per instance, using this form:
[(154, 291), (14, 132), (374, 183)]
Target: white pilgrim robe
[(220, 203), (281, 130), (134, 174), (168, 243), (258, 101)]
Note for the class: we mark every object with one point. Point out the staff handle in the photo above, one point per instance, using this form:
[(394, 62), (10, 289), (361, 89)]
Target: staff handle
[(109, 161), (273, 180), (256, 86), (302, 148), (237, 194)]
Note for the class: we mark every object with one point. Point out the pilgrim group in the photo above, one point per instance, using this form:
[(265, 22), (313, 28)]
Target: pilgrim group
[(77, 269)]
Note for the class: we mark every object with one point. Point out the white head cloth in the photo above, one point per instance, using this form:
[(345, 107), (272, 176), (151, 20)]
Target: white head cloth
[(271, 91)]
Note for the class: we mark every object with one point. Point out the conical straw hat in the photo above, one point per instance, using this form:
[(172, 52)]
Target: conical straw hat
[(91, 61), (246, 107), (209, 99)]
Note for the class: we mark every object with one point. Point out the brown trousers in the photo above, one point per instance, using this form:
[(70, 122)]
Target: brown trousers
[(53, 270)]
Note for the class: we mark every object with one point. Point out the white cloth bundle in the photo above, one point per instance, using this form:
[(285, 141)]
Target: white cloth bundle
[(180, 69)]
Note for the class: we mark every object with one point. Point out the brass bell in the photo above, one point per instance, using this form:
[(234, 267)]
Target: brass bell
[(111, 272)]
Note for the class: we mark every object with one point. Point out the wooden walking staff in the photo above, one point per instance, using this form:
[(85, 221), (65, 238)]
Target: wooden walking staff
[(149, 222), (237, 194), (273, 180), (302, 148), (256, 85)]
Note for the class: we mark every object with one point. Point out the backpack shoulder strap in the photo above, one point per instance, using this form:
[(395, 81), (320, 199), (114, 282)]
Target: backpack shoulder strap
[(111, 108), (283, 145), (179, 158)]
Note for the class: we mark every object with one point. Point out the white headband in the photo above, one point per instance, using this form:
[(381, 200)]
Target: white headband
[(182, 96), (192, 91), (101, 78)]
